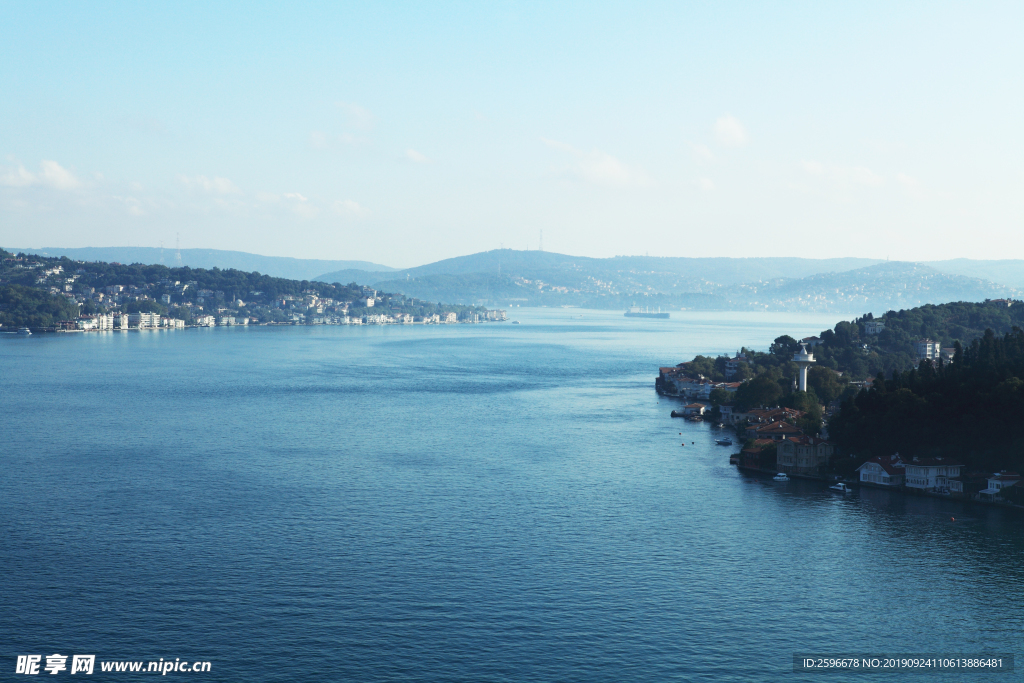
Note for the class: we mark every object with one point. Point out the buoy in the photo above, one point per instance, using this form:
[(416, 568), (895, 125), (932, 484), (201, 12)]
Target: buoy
[(952, 519)]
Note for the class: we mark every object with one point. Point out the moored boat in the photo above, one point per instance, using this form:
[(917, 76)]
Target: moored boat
[(840, 488), (724, 442), (781, 476)]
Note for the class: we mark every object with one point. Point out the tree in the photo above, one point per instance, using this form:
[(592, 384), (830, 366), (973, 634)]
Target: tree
[(824, 383), (784, 347), (719, 396), (760, 391)]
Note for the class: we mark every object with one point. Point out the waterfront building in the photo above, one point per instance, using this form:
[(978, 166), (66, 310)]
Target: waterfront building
[(694, 409), (883, 470), (759, 456), (934, 474), (999, 481), (144, 320), (776, 431), (805, 455)]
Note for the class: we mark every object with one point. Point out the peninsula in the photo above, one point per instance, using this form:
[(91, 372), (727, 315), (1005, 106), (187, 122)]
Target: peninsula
[(40, 293), (928, 398)]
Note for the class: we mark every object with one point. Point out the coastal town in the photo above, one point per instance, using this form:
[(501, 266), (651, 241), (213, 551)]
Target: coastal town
[(58, 295), (788, 442)]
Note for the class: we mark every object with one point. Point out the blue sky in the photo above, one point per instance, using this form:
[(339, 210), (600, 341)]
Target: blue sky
[(406, 133)]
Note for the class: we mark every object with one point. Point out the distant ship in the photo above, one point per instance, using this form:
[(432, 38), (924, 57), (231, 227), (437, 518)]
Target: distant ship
[(636, 312), (24, 331)]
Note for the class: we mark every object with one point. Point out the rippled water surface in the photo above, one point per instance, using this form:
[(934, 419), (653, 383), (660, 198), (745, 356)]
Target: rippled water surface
[(463, 503)]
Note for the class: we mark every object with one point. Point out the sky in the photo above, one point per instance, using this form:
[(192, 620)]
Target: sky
[(404, 133)]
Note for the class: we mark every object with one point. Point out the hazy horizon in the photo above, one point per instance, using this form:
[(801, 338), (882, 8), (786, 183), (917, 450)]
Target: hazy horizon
[(407, 136)]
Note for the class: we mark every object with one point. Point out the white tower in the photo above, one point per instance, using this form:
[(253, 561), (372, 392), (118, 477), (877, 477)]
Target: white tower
[(804, 360)]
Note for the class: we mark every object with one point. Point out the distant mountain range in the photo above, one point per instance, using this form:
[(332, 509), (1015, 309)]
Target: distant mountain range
[(847, 285), (537, 278), (277, 266)]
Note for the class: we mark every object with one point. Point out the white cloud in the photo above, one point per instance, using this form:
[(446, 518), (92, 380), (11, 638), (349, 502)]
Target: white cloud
[(18, 177), (132, 205), (703, 152), (599, 167), (864, 176), (357, 116), (214, 185), (51, 174), (349, 207), (730, 132), (56, 176), (317, 139), (706, 185), (295, 195), (413, 155)]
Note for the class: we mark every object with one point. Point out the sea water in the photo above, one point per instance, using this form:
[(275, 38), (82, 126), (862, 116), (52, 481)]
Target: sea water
[(489, 502)]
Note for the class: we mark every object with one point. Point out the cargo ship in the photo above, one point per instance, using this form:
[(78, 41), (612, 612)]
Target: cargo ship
[(637, 312)]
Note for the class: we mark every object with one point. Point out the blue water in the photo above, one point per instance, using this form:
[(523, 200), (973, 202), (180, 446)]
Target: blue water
[(453, 503)]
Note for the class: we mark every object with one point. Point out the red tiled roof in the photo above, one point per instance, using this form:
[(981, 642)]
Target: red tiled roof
[(805, 440), (933, 462), (777, 428)]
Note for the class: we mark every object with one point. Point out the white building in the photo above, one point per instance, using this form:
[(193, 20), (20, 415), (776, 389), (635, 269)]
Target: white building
[(206, 321), (144, 320), (884, 470), (451, 318), (928, 348), (934, 474), (873, 326), (999, 481)]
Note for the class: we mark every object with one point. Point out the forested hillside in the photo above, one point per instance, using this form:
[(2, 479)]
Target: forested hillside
[(969, 410)]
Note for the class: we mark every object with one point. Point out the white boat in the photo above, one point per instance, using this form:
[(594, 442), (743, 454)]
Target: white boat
[(24, 330), (781, 476), (724, 442), (839, 488)]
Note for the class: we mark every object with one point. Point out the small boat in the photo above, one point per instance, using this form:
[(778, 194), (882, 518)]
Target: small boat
[(24, 331), (678, 413), (515, 322), (724, 442), (839, 488), (781, 476)]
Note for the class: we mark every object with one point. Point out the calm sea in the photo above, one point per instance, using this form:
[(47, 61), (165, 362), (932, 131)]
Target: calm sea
[(454, 503)]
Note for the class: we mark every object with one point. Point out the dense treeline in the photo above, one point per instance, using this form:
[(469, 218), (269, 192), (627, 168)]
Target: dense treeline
[(22, 306), (971, 409), (848, 349)]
